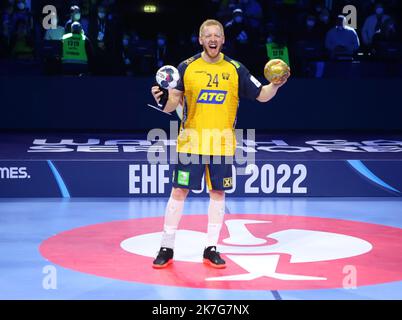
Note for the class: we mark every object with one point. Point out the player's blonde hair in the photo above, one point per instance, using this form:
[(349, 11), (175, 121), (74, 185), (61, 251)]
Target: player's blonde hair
[(211, 22)]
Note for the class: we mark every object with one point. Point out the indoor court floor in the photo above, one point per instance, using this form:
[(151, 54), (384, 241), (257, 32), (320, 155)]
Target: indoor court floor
[(275, 248)]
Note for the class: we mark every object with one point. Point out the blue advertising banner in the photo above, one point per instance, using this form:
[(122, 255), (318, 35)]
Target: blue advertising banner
[(138, 165), (339, 178)]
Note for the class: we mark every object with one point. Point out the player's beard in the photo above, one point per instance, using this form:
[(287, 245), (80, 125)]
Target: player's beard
[(212, 53)]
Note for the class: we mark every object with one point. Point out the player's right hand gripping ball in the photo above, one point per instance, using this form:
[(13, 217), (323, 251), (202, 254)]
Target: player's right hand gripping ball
[(167, 77), (276, 71)]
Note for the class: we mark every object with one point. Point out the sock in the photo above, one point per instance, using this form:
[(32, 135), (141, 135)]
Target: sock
[(168, 237), (173, 213), (216, 212), (213, 234)]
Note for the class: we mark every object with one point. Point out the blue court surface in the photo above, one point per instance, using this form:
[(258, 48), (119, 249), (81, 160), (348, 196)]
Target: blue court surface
[(327, 248)]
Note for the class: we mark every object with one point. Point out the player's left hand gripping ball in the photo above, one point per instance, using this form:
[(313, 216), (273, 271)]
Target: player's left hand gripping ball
[(167, 77), (276, 71)]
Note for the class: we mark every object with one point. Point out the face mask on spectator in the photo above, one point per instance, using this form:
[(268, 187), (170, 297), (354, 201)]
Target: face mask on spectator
[(161, 42), (270, 40), (21, 5), (340, 26), (325, 19), (310, 23), (125, 42), (77, 16), (379, 11), (238, 19), (194, 39), (101, 15)]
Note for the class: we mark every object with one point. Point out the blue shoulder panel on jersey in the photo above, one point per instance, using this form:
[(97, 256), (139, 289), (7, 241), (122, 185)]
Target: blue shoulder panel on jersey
[(182, 69)]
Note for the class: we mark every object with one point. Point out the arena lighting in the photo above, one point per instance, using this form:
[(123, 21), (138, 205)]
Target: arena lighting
[(149, 8)]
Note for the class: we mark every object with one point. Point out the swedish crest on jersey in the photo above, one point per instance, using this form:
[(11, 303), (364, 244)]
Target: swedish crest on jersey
[(225, 76)]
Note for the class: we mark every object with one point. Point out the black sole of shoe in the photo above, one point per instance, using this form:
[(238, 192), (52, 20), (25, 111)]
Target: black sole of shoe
[(213, 265), (162, 266)]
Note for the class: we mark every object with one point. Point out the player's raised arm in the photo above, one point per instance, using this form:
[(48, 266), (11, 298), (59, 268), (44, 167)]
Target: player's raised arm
[(164, 93), (175, 96), (269, 91), (166, 99)]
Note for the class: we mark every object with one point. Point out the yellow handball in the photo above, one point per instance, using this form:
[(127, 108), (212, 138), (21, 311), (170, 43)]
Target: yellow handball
[(276, 71)]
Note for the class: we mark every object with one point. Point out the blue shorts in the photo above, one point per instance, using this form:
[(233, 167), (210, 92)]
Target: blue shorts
[(217, 169)]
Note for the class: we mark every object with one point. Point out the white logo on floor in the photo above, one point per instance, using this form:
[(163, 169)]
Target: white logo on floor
[(250, 253)]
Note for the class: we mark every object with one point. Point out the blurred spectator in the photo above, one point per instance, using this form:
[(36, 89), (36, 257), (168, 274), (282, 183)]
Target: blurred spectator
[(76, 51), (144, 54), (307, 47), (54, 33), (7, 26), (22, 13), (342, 41), (374, 24), (98, 28), (104, 39), (253, 13), (387, 44), (318, 7), (226, 8), (309, 31), (127, 59), (305, 27), (22, 42), (75, 16), (51, 47), (237, 36), (276, 48), (185, 47), (389, 32), (366, 8), (194, 44), (111, 7), (161, 54), (324, 22)]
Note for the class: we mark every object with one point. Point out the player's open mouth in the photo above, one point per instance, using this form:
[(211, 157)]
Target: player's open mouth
[(213, 46)]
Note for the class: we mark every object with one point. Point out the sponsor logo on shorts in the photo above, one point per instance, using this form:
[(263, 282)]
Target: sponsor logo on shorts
[(212, 96), (227, 182), (183, 178)]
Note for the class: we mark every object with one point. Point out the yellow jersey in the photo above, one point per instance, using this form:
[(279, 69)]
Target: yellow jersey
[(211, 99)]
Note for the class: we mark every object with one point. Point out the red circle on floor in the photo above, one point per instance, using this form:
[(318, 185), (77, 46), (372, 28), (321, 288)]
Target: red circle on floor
[(298, 253)]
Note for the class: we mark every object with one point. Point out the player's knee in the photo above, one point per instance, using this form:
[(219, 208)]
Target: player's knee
[(217, 195), (179, 194)]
